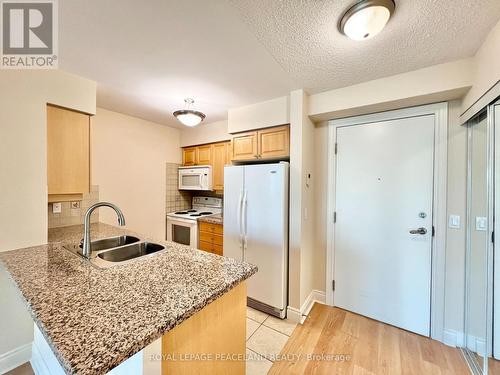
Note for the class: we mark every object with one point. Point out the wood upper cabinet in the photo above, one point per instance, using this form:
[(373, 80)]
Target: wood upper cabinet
[(270, 143), (245, 146), (68, 151), (204, 155), (189, 156), (274, 142), (219, 160), (216, 155)]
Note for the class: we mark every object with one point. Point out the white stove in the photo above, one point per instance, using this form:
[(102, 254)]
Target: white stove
[(182, 226), (202, 206)]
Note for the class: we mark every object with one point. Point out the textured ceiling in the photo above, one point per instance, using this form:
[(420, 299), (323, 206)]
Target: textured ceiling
[(147, 56), (302, 36)]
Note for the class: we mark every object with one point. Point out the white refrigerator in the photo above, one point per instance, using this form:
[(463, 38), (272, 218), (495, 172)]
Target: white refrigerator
[(256, 230)]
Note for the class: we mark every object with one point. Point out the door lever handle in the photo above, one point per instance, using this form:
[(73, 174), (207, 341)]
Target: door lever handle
[(418, 231)]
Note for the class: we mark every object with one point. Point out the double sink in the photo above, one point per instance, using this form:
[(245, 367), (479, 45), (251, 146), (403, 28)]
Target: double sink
[(111, 251)]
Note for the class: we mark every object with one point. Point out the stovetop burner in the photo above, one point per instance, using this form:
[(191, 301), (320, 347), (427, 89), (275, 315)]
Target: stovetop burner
[(181, 213), (206, 213)]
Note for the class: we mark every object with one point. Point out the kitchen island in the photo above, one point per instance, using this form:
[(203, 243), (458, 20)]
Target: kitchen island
[(95, 319)]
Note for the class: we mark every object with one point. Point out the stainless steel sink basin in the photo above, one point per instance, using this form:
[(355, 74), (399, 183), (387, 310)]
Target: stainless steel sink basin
[(128, 252), (109, 243), (108, 252)]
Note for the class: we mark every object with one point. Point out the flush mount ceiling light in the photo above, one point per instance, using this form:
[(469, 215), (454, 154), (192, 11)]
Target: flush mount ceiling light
[(189, 117), (366, 18)]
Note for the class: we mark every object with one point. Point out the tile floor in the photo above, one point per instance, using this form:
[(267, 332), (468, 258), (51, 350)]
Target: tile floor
[(266, 336)]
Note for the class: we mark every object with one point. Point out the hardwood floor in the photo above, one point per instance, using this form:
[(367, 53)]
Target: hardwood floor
[(367, 346)]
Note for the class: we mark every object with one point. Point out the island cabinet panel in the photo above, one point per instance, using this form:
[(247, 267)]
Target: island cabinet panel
[(274, 142), (189, 156), (68, 152), (217, 332), (245, 146)]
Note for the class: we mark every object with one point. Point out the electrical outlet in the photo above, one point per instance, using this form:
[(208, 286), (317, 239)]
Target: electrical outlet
[(56, 208), (75, 204)]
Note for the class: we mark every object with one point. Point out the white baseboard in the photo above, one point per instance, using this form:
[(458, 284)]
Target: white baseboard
[(453, 338), (15, 358), (299, 316), (315, 296), (293, 314)]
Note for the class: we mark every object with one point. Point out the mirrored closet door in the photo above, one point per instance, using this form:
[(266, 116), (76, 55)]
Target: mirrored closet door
[(479, 263)]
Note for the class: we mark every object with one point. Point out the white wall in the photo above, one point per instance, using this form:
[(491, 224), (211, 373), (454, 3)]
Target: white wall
[(259, 115), (486, 69), (205, 133), (128, 164), (23, 172)]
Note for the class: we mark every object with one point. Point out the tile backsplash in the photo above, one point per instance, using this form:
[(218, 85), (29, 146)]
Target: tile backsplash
[(74, 216), (175, 200)]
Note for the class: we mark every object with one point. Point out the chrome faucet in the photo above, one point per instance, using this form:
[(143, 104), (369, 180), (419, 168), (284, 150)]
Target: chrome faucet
[(86, 224)]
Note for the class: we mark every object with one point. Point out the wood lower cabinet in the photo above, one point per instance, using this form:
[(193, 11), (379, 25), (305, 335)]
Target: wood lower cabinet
[(68, 153), (211, 237), (265, 144)]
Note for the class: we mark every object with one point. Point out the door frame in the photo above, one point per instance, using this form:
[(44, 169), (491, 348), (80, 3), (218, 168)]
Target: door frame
[(438, 268)]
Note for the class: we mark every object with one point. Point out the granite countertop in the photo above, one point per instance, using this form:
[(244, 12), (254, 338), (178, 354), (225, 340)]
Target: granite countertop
[(213, 219), (94, 319)]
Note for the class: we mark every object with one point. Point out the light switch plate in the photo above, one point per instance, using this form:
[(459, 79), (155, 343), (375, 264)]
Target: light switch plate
[(481, 223), (454, 222), (56, 208)]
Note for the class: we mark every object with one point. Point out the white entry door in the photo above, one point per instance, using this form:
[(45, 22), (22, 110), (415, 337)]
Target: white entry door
[(383, 230)]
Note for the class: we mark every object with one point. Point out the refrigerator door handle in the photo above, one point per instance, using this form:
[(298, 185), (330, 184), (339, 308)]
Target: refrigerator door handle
[(240, 220), (245, 224)]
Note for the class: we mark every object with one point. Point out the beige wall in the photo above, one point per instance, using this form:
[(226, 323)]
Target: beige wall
[(205, 133), (486, 69), (429, 85), (302, 252), (129, 157), (23, 172), (456, 205), (259, 115)]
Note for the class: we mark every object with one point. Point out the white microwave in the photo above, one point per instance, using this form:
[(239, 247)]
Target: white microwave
[(195, 178)]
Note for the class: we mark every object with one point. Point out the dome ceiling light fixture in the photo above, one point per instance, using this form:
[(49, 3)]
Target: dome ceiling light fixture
[(188, 116), (366, 18)]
